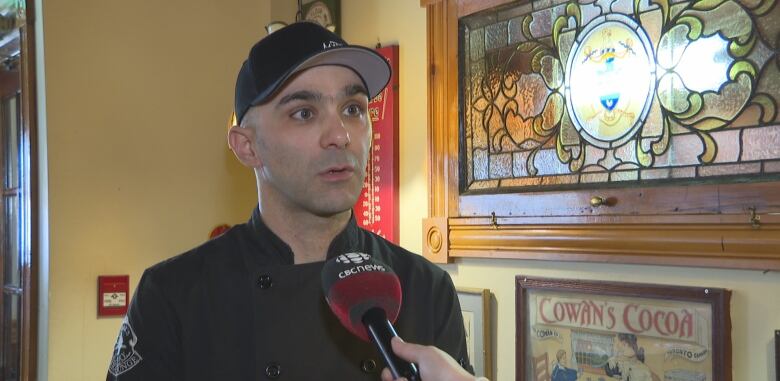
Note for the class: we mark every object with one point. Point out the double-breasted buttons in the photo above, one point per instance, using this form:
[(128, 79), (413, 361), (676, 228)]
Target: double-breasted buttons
[(368, 365), (265, 281), (273, 370)]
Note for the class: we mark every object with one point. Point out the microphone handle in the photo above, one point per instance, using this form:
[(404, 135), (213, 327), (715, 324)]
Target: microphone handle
[(381, 331)]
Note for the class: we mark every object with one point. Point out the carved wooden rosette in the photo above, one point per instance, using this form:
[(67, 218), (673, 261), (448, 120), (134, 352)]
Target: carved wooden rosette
[(435, 244)]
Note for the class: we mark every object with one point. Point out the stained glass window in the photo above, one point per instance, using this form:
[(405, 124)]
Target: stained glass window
[(582, 94)]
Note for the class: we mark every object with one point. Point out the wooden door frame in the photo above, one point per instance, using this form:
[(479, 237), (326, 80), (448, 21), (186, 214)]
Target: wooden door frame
[(30, 275)]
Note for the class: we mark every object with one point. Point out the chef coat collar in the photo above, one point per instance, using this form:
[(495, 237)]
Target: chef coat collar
[(348, 240)]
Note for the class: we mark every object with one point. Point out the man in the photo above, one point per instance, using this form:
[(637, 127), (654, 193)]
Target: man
[(248, 305)]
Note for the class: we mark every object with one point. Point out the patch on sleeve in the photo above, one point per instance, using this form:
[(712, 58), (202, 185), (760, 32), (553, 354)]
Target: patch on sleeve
[(125, 357)]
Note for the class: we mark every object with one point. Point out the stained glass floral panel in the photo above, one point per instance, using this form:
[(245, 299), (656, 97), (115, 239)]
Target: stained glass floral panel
[(581, 94)]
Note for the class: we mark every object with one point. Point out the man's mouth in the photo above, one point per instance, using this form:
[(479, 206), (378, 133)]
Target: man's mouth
[(338, 172)]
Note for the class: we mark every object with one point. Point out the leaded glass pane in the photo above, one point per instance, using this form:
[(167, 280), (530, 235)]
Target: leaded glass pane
[(11, 331), (772, 166), (574, 94), (11, 137), (12, 242)]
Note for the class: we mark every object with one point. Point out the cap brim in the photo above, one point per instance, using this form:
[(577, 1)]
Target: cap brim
[(371, 67)]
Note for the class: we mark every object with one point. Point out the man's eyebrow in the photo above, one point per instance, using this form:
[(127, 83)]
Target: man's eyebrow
[(351, 90), (302, 95)]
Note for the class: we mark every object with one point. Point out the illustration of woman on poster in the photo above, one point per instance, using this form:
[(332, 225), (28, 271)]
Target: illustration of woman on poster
[(560, 372), (628, 362)]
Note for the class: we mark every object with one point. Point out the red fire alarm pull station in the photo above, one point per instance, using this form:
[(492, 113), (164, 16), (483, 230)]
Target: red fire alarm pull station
[(113, 295)]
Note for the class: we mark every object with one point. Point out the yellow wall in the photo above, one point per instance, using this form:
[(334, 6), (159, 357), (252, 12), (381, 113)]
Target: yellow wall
[(368, 22), (138, 96), (756, 296), (403, 23)]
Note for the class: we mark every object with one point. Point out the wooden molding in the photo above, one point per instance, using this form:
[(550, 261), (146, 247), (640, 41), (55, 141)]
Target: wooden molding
[(435, 239), (442, 108), (466, 7), (704, 245)]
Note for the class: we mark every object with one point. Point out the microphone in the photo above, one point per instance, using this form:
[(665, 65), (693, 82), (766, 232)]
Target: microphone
[(365, 295)]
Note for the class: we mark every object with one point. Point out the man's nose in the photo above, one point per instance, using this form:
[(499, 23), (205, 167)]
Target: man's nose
[(335, 134)]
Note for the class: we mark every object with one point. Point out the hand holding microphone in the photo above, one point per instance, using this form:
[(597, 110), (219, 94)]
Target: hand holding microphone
[(435, 364), (365, 295)]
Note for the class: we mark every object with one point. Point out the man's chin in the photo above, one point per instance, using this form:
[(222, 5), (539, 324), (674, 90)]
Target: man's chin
[(334, 207), (331, 213)]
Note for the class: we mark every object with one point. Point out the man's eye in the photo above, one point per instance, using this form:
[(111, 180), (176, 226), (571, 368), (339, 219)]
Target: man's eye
[(353, 110), (303, 114)]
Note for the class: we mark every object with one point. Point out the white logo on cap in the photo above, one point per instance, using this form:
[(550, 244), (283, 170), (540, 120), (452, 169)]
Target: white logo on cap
[(355, 258), (331, 44)]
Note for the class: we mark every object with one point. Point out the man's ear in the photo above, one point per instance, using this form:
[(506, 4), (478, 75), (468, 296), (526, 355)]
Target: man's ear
[(242, 142)]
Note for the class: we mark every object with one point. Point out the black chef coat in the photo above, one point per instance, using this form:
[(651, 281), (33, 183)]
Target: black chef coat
[(238, 308)]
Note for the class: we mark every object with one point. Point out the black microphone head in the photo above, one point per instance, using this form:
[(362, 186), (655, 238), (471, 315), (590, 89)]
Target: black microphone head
[(354, 283)]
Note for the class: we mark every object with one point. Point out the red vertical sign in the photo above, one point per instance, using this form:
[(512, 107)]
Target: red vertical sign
[(377, 207)]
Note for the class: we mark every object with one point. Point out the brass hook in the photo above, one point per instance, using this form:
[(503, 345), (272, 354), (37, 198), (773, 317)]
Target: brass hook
[(493, 220), (597, 201), (755, 219)]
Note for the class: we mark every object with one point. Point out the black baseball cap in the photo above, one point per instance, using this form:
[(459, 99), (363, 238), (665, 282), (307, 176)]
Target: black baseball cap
[(297, 47)]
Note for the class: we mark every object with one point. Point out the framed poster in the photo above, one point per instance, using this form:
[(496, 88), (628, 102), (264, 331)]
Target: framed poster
[(377, 208), (777, 355), (475, 307), (571, 330)]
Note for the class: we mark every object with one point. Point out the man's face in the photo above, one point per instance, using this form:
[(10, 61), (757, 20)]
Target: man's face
[(312, 140)]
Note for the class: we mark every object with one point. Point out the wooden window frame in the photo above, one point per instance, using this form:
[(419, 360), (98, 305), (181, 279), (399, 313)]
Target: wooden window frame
[(28, 192), (715, 225), (31, 264)]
